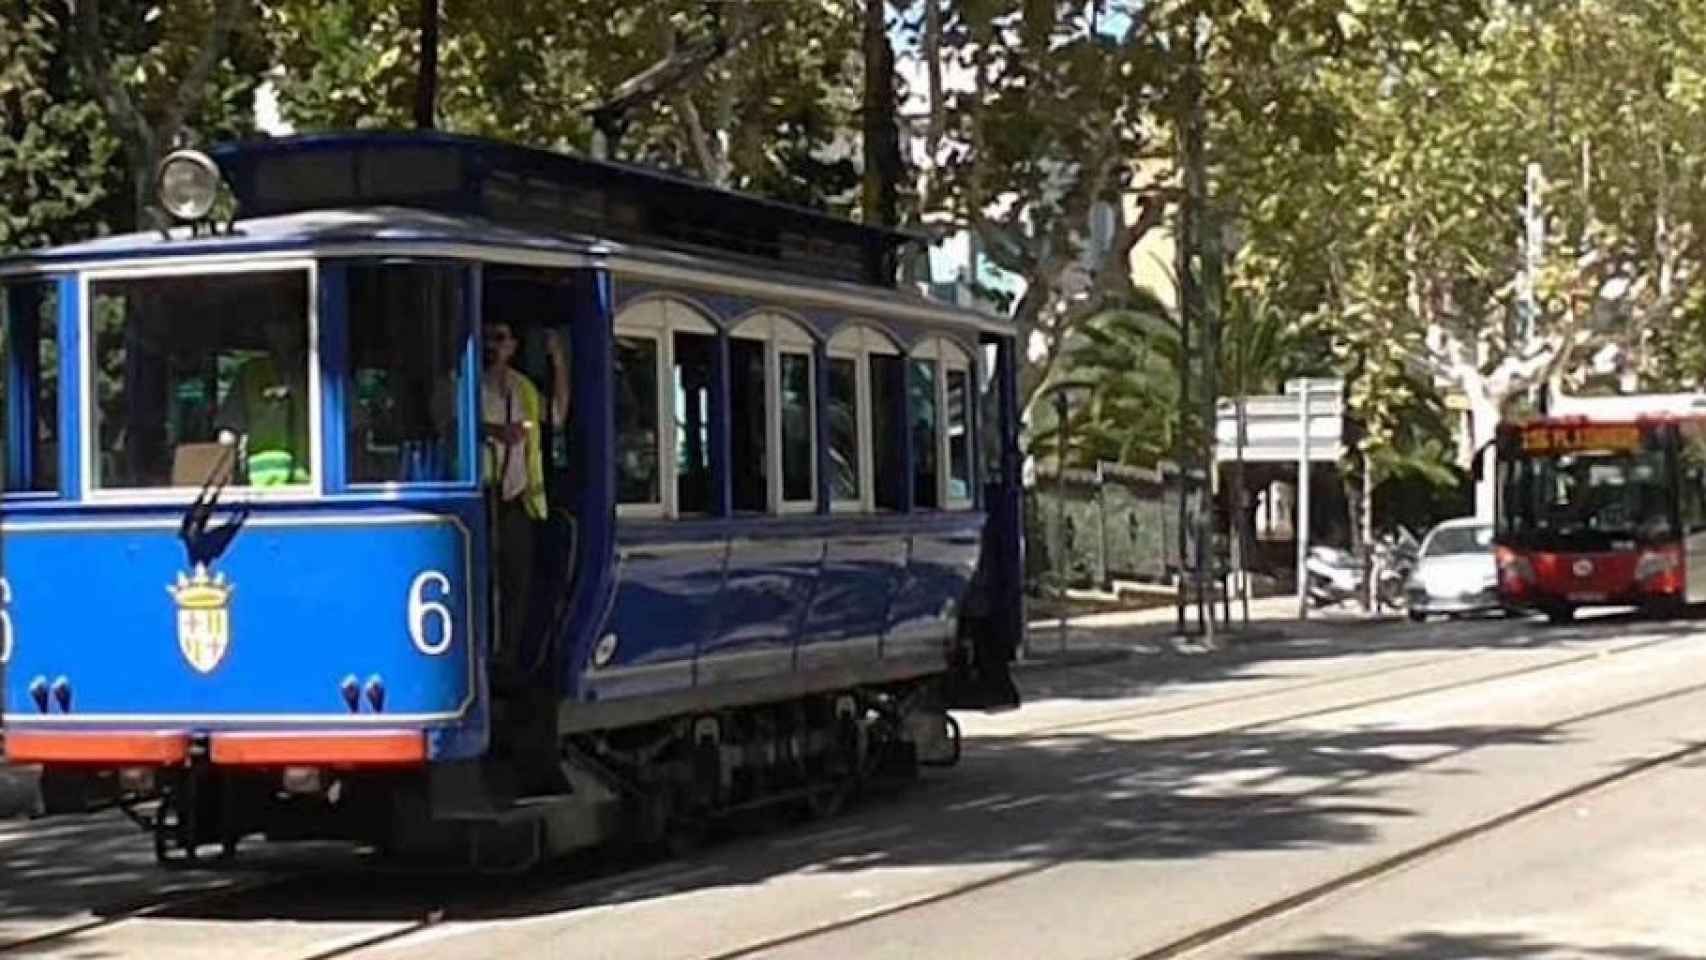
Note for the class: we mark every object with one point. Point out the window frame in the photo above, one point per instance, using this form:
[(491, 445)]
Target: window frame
[(949, 357), (659, 319), (858, 341), (782, 335), (88, 434)]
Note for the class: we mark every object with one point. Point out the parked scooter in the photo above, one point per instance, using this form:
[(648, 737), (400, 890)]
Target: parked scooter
[(1334, 575), (1337, 577)]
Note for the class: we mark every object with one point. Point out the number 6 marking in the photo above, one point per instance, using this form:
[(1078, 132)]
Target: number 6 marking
[(5, 621), (420, 608)]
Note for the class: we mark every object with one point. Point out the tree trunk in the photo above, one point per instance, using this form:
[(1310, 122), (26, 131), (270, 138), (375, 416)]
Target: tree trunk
[(1484, 420), (426, 83), (882, 136)]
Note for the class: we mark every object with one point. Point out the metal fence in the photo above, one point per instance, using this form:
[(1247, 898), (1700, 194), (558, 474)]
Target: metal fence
[(1119, 523)]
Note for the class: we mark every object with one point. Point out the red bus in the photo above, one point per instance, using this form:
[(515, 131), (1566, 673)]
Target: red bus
[(1603, 504)]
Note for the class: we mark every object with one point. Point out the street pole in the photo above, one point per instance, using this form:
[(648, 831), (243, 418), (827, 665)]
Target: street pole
[(1239, 494), (1302, 512), (1060, 510)]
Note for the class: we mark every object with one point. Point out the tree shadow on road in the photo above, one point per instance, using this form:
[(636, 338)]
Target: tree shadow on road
[(1018, 806), (1136, 663), (1466, 946)]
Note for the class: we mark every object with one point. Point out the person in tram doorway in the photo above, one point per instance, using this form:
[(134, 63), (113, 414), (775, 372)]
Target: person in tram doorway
[(514, 472), (268, 407)]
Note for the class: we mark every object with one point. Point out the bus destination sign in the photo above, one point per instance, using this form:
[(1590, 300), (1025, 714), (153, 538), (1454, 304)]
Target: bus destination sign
[(1570, 439)]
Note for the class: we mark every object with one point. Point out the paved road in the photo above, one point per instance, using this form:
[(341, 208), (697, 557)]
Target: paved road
[(1467, 790)]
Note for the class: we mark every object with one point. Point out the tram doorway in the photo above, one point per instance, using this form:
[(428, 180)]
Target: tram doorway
[(525, 412)]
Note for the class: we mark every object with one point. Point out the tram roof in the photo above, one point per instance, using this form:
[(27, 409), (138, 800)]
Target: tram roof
[(555, 193), (404, 231), (370, 190)]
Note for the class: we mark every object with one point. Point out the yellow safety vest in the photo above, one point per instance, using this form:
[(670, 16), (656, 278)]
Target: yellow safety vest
[(277, 415), (533, 498)]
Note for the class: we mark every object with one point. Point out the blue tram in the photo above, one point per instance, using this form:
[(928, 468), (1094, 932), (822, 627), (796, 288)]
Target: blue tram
[(459, 496)]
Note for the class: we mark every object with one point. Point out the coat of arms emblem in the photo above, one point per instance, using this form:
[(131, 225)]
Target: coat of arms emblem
[(204, 617)]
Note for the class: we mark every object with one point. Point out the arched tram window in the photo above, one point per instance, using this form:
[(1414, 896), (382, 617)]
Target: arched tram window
[(865, 377), (773, 415), (939, 417), (665, 356)]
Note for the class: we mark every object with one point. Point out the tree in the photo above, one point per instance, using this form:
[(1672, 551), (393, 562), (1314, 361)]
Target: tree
[(756, 97), (1407, 237), (55, 149), (162, 72)]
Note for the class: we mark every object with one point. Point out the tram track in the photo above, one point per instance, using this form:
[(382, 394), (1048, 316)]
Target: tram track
[(432, 916), (107, 919), (1292, 902)]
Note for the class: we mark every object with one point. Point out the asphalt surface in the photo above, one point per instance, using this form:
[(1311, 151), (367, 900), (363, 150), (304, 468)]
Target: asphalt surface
[(1482, 789)]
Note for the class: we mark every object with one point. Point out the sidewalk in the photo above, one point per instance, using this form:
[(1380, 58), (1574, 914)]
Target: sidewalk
[(1153, 632)]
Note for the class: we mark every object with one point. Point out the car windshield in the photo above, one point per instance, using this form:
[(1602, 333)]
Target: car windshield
[(1455, 541)]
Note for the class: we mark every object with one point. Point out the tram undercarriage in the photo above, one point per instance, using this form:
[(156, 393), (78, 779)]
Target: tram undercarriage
[(659, 786)]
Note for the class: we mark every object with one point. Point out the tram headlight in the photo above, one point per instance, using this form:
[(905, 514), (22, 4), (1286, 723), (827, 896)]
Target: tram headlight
[(188, 184)]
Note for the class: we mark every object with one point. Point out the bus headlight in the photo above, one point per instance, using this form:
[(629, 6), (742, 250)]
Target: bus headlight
[(1515, 570), (1655, 564), (188, 184)]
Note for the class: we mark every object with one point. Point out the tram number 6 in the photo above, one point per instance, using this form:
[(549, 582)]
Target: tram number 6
[(5, 621), (422, 609)]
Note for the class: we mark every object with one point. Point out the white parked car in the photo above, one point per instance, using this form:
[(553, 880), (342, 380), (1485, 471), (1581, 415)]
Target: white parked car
[(1456, 573)]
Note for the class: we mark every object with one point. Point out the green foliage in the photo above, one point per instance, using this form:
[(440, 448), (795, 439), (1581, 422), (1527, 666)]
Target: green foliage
[(766, 117), (55, 148)]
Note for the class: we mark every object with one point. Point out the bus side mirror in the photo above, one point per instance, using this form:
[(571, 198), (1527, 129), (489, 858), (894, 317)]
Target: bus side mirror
[(1478, 464)]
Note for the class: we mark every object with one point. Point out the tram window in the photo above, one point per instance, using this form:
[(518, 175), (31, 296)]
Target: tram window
[(798, 476), (178, 359), (748, 426), (29, 385), (844, 429), (695, 365), (922, 414), (637, 467), (888, 392), (408, 333), (959, 437)]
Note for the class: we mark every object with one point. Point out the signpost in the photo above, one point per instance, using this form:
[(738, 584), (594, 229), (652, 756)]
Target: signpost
[(1303, 426)]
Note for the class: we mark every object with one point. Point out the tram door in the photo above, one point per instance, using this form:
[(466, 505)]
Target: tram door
[(995, 614), (525, 357)]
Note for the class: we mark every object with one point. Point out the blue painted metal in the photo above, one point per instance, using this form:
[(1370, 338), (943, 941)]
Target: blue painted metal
[(593, 433), (722, 441), (71, 424), (766, 588), (316, 595), (333, 335)]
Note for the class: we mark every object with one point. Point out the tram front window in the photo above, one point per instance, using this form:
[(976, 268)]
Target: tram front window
[(408, 334), (179, 359), (29, 386)]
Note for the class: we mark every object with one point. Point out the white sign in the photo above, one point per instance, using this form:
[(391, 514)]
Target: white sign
[(1273, 425)]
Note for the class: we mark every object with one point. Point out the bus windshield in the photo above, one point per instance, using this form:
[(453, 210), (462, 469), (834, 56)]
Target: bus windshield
[(1588, 499)]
